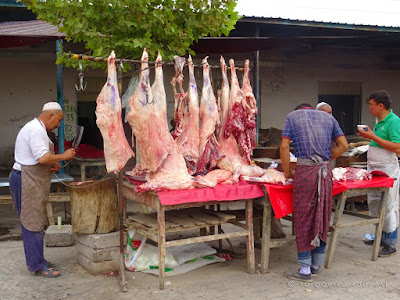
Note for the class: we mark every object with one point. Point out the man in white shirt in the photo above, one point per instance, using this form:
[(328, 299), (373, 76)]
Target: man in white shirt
[(30, 181)]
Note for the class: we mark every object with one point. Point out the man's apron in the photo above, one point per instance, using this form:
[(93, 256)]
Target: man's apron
[(386, 161), (35, 189)]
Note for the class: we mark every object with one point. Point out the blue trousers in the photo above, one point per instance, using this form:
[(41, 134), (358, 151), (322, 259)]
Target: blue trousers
[(33, 240), (312, 257)]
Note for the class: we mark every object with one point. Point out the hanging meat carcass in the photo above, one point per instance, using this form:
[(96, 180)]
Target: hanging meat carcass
[(232, 160), (210, 152), (241, 119), (179, 98), (109, 120), (188, 140), (148, 118)]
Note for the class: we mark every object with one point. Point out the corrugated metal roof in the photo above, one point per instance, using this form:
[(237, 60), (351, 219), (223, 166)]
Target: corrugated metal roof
[(35, 28), (383, 13)]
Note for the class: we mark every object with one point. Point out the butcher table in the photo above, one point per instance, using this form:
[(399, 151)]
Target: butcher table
[(167, 219), (279, 198)]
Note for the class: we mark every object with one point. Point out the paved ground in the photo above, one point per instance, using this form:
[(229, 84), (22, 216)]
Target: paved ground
[(353, 275)]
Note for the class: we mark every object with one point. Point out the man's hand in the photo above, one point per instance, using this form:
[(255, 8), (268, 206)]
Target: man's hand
[(369, 134), (69, 154), (55, 168)]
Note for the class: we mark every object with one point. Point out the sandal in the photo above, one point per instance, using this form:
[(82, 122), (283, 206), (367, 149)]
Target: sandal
[(48, 272), (51, 264)]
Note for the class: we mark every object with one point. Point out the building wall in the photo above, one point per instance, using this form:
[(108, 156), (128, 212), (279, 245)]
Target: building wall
[(286, 79)]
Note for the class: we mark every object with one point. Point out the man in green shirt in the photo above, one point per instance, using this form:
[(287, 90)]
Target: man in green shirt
[(382, 155)]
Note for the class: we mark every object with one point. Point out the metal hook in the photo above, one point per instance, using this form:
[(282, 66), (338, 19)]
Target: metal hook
[(81, 77)]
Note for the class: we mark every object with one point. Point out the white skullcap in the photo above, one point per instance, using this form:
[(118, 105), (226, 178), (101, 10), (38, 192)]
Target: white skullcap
[(321, 104), (51, 106)]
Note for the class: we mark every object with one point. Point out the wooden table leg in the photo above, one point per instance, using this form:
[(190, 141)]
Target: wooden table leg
[(250, 237), (335, 230), (379, 226), (121, 209), (161, 244), (83, 170), (50, 216), (266, 233)]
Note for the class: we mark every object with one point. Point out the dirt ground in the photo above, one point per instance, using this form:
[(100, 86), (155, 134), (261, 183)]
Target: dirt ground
[(353, 275)]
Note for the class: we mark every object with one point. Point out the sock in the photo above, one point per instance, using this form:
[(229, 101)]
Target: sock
[(315, 267), (305, 270)]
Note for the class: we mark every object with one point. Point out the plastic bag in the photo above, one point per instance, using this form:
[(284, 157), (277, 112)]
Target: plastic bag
[(128, 93), (134, 247)]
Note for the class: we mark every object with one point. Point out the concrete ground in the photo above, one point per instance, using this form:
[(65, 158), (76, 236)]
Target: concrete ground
[(353, 275)]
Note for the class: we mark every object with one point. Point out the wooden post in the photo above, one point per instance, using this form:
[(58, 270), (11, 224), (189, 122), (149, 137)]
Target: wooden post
[(379, 226), (335, 229), (161, 243), (121, 209), (250, 237)]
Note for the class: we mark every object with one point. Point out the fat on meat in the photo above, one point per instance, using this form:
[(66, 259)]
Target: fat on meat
[(241, 119), (232, 160), (210, 151), (109, 120), (148, 117), (188, 141)]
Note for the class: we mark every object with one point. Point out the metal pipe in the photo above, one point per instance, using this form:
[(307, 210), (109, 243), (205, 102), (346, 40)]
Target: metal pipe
[(60, 100)]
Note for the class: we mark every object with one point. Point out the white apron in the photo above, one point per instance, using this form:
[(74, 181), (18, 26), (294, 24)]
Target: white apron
[(386, 161)]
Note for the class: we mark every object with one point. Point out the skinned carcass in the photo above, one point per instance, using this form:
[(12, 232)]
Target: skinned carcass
[(148, 118), (165, 165), (179, 98), (188, 141), (108, 118), (232, 160), (210, 151), (241, 119)]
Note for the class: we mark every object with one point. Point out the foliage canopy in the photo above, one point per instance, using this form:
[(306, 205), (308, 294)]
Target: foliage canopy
[(128, 26)]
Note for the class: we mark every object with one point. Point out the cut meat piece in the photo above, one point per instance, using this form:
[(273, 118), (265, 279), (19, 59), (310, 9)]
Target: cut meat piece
[(232, 160), (272, 176), (350, 174), (189, 140), (108, 118), (148, 118), (217, 176), (210, 151)]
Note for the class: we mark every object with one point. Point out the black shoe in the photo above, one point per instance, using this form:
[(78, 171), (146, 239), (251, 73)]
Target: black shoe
[(298, 276), (317, 271), (387, 251)]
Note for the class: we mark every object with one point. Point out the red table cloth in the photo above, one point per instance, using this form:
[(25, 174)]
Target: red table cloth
[(280, 195)]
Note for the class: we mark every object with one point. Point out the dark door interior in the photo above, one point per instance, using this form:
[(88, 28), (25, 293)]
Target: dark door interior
[(346, 110)]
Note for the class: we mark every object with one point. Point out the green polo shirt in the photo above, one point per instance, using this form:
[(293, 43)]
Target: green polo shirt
[(388, 129)]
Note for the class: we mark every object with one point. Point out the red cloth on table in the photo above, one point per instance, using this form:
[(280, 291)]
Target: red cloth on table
[(281, 195), (240, 190)]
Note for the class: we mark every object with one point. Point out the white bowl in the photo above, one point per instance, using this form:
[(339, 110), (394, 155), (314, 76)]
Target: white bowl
[(362, 127)]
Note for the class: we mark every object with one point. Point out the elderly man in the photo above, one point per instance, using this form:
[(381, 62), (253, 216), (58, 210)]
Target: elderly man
[(382, 155), (323, 106), (30, 182), (311, 132)]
